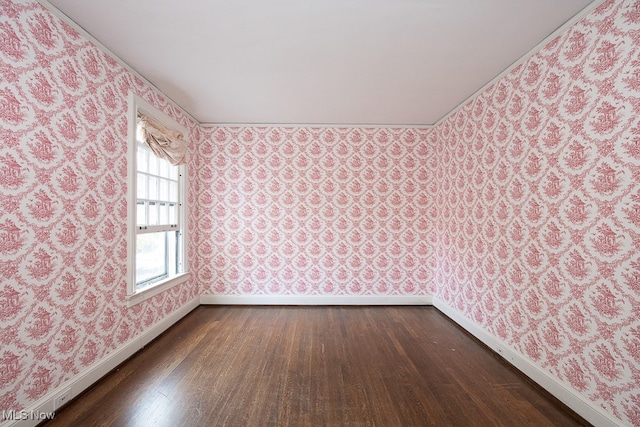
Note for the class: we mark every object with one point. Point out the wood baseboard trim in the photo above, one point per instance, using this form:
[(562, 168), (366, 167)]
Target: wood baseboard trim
[(576, 402), (315, 300), (80, 382)]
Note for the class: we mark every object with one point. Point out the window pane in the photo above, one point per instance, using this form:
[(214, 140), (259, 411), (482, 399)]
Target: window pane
[(141, 189), (173, 213), (174, 172), (151, 256), (153, 213), (142, 159), (141, 216), (164, 189), (164, 168), (153, 164), (164, 213), (153, 188), (173, 191)]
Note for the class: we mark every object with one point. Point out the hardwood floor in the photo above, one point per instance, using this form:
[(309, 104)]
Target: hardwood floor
[(315, 366)]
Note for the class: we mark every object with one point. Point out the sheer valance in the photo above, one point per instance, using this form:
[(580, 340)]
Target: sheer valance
[(165, 143)]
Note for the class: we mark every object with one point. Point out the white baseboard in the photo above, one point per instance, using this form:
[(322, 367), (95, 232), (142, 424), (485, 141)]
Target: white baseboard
[(89, 376), (576, 402), (315, 300)]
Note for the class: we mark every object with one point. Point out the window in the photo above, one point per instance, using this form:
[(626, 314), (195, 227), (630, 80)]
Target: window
[(157, 229), (157, 217)]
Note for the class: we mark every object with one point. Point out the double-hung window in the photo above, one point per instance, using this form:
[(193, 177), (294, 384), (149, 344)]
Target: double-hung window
[(157, 156)]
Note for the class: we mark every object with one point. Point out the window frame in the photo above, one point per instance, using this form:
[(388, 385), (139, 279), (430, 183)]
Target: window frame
[(133, 295)]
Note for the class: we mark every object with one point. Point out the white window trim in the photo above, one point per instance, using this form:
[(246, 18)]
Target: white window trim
[(134, 297)]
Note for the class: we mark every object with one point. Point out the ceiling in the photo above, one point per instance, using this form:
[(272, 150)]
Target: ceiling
[(338, 62)]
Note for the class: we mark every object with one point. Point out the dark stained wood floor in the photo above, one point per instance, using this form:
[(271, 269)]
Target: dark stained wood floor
[(315, 366)]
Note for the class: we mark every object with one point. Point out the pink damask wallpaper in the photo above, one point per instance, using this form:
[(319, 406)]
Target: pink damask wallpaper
[(313, 211), (521, 210), (63, 207), (539, 201)]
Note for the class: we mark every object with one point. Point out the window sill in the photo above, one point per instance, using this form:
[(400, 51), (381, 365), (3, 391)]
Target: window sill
[(157, 288)]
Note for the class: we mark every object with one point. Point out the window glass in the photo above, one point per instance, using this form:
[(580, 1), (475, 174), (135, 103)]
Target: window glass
[(153, 164), (153, 188), (141, 186), (173, 213), (151, 248), (153, 213), (163, 210), (163, 167), (142, 159), (141, 213), (173, 191), (164, 190)]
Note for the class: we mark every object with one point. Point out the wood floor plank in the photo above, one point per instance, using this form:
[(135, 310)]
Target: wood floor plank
[(315, 366)]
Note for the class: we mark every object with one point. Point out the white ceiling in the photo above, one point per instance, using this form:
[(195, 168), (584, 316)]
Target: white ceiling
[(341, 62)]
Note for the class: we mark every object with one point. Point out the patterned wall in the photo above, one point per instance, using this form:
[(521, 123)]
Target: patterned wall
[(522, 210), (63, 206), (539, 194), (310, 211)]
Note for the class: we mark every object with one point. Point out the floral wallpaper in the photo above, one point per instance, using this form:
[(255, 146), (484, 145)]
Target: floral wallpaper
[(63, 205), (539, 201), (313, 211), (521, 210)]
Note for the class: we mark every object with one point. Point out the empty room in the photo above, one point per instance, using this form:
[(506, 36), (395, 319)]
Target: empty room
[(412, 212)]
